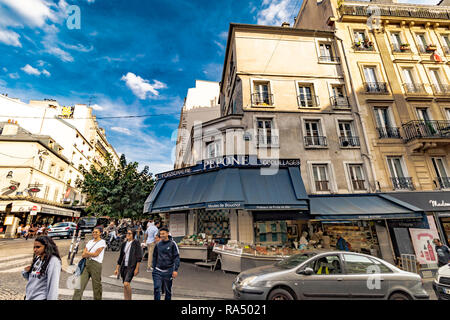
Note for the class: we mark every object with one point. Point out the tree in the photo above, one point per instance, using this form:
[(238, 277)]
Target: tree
[(116, 191)]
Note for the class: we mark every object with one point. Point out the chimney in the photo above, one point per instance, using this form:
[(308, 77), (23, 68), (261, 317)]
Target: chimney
[(10, 129), (285, 24)]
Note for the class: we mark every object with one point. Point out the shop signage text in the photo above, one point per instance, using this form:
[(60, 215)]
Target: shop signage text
[(435, 203)]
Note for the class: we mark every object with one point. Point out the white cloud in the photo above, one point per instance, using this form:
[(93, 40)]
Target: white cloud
[(46, 73), (36, 12), (224, 35), (10, 38), (78, 47), (40, 63), (58, 52), (122, 130), (30, 70), (14, 75), (221, 46), (276, 12), (4, 69), (141, 87), (97, 107)]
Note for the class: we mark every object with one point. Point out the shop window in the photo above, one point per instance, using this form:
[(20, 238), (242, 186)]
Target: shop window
[(355, 264)]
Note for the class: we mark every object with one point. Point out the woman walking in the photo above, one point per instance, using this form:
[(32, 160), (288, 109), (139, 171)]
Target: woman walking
[(93, 253), (129, 261), (44, 272)]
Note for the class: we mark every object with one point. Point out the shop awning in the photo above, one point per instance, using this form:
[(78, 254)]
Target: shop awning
[(233, 188), (362, 207)]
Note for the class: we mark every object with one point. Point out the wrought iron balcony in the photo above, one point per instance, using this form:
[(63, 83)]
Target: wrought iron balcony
[(340, 102), (441, 89), (267, 140), (397, 48), (262, 99), (315, 141), (417, 129), (349, 141), (444, 182), (322, 185), (329, 59), (397, 11), (414, 88), (358, 184), (403, 183), (388, 132), (307, 101), (375, 87)]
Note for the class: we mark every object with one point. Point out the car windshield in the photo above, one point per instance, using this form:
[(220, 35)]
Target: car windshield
[(295, 260), (60, 225)]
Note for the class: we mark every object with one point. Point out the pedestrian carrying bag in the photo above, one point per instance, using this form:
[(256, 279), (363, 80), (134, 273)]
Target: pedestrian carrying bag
[(81, 266)]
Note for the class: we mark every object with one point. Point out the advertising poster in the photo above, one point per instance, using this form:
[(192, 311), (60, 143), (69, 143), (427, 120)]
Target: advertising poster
[(177, 225), (422, 240)]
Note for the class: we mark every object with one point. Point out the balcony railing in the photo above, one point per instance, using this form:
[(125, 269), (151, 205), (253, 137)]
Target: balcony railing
[(315, 141), (267, 140), (340, 102), (429, 48), (262, 99), (322, 185), (444, 182), (358, 184), (388, 132), (307, 101), (403, 183), (414, 88), (329, 59), (441, 89), (349, 141), (417, 129), (400, 47), (375, 87), (363, 46), (396, 11)]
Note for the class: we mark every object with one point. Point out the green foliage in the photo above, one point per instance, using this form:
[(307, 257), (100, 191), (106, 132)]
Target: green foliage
[(118, 192)]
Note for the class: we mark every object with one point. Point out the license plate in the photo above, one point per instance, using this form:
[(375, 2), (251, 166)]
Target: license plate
[(447, 291)]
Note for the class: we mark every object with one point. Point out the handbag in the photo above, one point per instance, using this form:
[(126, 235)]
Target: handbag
[(80, 267)]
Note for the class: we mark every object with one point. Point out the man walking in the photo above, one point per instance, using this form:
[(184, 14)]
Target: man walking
[(166, 261), (149, 239), (443, 253)]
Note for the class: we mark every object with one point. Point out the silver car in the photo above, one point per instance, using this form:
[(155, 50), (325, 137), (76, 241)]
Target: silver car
[(62, 229), (329, 275)]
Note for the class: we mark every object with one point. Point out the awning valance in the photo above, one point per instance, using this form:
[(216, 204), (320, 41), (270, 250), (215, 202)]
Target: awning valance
[(231, 188), (362, 207)]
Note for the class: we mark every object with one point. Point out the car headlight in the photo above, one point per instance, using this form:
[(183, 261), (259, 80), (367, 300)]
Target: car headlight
[(248, 281)]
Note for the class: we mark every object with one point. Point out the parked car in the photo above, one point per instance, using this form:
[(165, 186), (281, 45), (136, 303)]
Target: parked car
[(62, 230), (329, 275), (88, 225), (441, 284)]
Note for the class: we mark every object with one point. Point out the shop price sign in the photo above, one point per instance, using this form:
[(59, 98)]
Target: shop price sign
[(9, 220)]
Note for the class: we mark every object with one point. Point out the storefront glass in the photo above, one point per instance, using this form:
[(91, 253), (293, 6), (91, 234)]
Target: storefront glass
[(446, 228)]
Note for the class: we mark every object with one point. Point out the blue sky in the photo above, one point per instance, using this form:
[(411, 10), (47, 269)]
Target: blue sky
[(131, 56)]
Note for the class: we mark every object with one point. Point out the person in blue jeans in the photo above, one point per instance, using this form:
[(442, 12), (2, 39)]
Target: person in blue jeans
[(166, 261)]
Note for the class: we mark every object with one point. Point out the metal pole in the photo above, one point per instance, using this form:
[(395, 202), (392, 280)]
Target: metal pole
[(390, 239)]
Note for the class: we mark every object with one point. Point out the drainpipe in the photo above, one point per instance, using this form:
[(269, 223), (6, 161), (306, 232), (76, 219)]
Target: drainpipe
[(358, 107)]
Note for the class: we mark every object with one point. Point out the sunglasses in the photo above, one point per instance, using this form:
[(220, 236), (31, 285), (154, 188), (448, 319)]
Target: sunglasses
[(130, 233)]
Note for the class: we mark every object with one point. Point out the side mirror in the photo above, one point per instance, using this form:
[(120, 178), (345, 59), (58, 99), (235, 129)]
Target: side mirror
[(306, 271)]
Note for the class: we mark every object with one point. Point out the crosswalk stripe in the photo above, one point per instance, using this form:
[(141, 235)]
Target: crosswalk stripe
[(10, 258), (137, 279), (6, 266), (114, 295)]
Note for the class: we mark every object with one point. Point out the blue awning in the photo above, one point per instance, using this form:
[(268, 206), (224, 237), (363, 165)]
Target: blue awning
[(231, 188), (362, 207)]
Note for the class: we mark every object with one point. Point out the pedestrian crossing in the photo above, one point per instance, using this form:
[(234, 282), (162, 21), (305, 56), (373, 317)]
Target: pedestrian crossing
[(15, 263), (66, 294)]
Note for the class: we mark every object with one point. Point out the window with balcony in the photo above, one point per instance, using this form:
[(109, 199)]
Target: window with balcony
[(327, 53), (313, 134), (347, 137), (362, 41), (265, 134), (446, 43), (398, 178), (321, 180), (422, 114), (441, 172), (372, 84), (411, 85), (212, 149), (385, 125), (439, 88), (357, 177), (41, 164), (397, 44), (55, 195), (261, 94), (339, 99), (306, 97)]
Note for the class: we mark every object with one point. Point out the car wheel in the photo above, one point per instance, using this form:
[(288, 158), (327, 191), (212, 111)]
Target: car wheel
[(399, 296), (280, 294)]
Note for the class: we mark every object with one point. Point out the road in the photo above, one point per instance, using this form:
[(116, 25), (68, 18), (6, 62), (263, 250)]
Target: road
[(192, 283)]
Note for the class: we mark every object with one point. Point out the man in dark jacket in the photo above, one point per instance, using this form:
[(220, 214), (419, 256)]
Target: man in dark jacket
[(443, 253), (166, 261), (129, 261)]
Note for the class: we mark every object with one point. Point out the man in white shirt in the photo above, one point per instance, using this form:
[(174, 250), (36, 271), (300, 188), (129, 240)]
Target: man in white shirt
[(149, 239)]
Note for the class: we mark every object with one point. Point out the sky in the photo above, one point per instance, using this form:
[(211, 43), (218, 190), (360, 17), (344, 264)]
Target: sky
[(128, 57)]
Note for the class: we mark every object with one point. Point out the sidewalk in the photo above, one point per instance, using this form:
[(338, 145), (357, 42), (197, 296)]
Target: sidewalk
[(192, 281)]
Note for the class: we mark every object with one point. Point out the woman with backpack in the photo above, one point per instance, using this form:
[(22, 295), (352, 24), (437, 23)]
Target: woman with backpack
[(129, 261), (44, 272)]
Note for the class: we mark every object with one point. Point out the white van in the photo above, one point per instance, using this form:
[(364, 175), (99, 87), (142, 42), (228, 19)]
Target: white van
[(441, 284)]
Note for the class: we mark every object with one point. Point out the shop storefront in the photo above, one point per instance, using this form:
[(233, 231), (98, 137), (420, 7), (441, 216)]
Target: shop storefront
[(23, 212), (232, 205)]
